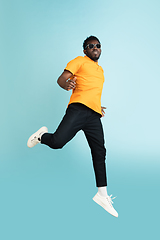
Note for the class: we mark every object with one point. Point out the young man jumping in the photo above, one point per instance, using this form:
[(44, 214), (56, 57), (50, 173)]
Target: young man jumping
[(85, 78)]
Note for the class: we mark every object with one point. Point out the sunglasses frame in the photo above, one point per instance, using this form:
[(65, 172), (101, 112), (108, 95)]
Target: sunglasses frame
[(93, 45)]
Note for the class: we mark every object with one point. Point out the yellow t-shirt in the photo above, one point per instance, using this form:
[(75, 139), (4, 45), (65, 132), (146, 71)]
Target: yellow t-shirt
[(89, 84)]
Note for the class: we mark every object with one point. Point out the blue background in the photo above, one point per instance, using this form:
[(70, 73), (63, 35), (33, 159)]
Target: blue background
[(47, 194)]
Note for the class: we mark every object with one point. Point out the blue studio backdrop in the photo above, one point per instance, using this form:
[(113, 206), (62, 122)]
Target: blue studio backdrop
[(47, 194)]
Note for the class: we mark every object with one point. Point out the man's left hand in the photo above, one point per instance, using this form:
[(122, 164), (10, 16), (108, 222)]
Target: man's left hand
[(102, 110)]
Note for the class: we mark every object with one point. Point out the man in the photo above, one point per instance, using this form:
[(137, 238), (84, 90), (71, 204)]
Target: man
[(85, 77)]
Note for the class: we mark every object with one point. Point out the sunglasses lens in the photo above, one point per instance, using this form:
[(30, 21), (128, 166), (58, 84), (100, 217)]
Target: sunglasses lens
[(91, 45), (98, 45)]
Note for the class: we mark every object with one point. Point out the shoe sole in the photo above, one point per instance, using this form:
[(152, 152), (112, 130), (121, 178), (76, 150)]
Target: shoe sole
[(99, 202), (42, 129)]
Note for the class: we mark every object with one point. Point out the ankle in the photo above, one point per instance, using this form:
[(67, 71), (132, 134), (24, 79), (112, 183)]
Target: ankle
[(102, 191)]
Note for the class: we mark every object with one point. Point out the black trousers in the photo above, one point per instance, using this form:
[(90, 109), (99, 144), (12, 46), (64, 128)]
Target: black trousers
[(79, 117)]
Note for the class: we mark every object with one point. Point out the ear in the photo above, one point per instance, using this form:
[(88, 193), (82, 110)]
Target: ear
[(84, 52)]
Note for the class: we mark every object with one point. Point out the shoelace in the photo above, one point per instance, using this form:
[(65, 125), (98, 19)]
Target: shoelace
[(35, 139), (109, 198)]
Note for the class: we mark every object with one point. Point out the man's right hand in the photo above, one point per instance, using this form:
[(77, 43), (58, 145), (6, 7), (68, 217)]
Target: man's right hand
[(71, 84), (65, 80)]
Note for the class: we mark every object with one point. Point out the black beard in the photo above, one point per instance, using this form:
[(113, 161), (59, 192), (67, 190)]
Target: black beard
[(94, 58)]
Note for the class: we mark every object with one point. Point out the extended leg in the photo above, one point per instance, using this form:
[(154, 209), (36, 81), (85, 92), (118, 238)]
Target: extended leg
[(95, 137)]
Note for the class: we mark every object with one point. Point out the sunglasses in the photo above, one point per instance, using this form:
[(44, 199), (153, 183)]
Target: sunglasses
[(90, 45)]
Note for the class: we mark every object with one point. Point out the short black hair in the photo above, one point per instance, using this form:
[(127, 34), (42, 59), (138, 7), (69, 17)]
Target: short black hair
[(89, 39)]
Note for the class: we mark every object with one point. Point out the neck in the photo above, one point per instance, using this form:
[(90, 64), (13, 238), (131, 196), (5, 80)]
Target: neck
[(92, 59)]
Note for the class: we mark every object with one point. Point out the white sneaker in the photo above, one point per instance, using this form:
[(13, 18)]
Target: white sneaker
[(36, 137), (106, 203)]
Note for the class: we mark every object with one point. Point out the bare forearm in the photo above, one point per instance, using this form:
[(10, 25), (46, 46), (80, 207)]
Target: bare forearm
[(62, 82)]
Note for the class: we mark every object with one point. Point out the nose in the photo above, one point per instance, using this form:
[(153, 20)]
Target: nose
[(95, 47)]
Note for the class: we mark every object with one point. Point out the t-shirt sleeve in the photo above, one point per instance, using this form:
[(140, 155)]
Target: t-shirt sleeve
[(74, 65)]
